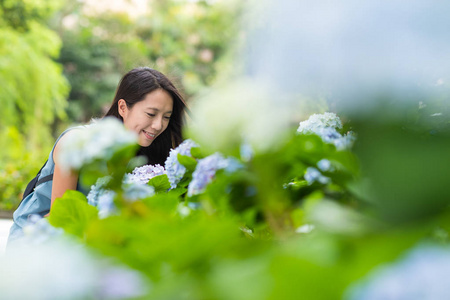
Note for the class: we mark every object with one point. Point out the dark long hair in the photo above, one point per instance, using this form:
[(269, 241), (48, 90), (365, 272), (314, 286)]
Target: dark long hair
[(133, 88)]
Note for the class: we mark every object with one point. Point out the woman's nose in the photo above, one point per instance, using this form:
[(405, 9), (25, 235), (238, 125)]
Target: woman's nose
[(157, 124)]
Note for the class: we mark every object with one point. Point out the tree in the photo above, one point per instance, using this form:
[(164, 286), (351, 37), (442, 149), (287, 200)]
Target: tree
[(33, 92)]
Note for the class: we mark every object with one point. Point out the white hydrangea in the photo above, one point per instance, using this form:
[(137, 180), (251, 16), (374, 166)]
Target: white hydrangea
[(326, 126), (143, 174), (38, 230), (96, 141), (62, 269), (319, 121), (237, 112), (420, 275)]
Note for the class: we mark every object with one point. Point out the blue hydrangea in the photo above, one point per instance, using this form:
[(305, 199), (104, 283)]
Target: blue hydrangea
[(175, 170), (313, 175), (346, 142), (142, 175), (324, 165), (246, 152), (134, 186), (136, 191), (102, 198), (421, 275), (206, 170), (326, 126), (97, 190), (105, 204)]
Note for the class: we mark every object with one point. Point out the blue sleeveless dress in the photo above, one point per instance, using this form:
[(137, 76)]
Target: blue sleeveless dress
[(39, 201)]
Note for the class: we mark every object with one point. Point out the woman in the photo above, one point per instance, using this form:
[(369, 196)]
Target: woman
[(147, 103)]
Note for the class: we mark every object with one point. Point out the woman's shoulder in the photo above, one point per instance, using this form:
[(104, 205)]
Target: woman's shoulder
[(67, 135)]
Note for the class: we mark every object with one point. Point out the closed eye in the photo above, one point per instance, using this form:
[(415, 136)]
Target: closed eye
[(151, 115)]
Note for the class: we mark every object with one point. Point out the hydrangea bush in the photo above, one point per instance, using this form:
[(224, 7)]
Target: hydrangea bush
[(282, 222)]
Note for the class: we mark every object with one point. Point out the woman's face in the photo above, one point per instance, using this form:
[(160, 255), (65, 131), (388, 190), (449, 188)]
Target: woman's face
[(149, 117)]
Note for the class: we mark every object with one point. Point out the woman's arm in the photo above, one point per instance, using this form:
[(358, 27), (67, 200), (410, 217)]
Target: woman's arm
[(62, 180)]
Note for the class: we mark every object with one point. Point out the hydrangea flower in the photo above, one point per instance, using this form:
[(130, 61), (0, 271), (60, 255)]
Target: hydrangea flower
[(175, 170), (142, 175), (136, 191), (319, 121), (105, 204), (96, 141), (134, 186), (102, 198), (206, 170), (97, 190), (246, 152), (183, 210), (421, 274), (62, 269), (346, 142), (324, 165), (38, 230), (313, 175), (326, 126), (120, 283)]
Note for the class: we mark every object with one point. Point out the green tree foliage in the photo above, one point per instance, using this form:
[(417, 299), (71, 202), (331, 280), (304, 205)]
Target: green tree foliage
[(186, 41), (33, 91)]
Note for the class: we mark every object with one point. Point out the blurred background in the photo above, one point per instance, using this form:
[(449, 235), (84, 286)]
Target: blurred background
[(61, 61)]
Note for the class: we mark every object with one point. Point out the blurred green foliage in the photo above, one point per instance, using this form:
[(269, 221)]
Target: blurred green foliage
[(18, 166), (245, 241), (33, 93), (404, 160)]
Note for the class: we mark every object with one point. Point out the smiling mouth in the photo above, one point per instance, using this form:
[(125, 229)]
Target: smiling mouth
[(148, 135)]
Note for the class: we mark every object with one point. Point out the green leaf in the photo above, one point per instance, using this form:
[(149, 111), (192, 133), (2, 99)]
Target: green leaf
[(187, 161), (160, 183), (122, 154), (135, 162), (178, 191), (196, 152), (89, 173), (72, 213), (163, 202)]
